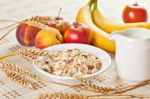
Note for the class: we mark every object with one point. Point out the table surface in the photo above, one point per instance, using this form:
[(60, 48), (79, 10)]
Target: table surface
[(21, 9)]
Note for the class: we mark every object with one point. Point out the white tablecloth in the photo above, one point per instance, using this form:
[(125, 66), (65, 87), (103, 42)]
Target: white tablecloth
[(21, 9)]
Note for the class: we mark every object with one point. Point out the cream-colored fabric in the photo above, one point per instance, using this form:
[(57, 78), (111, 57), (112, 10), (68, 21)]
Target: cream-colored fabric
[(21, 9)]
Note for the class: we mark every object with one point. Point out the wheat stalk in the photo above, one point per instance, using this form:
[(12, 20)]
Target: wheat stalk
[(61, 96), (93, 87), (8, 26), (131, 87), (19, 79), (75, 96), (3, 36), (8, 55), (118, 96), (27, 53), (12, 26), (18, 69), (41, 22)]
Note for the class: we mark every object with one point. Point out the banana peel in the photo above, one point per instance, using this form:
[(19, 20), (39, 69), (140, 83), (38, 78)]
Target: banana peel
[(99, 37)]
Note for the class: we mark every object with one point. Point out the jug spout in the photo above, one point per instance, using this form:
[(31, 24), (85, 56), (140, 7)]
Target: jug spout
[(115, 36)]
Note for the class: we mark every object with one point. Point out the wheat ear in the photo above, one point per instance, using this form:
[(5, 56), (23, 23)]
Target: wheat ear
[(41, 19), (61, 96), (19, 79), (93, 87), (31, 54), (75, 96), (18, 69), (34, 51), (28, 53)]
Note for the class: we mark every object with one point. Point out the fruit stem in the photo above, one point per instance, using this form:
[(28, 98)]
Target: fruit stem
[(136, 3), (90, 2), (95, 5), (59, 13), (75, 25)]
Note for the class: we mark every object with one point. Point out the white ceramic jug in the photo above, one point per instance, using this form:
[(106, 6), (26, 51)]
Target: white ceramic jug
[(133, 54)]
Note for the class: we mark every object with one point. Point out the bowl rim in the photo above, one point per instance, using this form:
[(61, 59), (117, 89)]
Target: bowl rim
[(73, 78)]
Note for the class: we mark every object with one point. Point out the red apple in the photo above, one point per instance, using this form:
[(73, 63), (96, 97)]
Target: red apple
[(25, 34), (134, 13), (77, 33), (60, 24)]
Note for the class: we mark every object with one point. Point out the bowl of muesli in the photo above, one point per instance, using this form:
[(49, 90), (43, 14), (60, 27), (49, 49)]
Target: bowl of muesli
[(66, 61)]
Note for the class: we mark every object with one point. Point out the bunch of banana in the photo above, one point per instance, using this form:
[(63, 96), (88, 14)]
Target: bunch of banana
[(99, 37), (101, 27)]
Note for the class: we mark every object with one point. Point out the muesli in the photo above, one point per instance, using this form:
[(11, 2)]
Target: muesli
[(70, 63)]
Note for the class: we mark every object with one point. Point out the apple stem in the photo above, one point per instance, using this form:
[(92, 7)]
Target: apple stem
[(59, 12), (136, 3), (75, 24)]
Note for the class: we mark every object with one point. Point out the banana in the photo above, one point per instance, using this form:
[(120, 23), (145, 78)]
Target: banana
[(99, 37), (110, 26)]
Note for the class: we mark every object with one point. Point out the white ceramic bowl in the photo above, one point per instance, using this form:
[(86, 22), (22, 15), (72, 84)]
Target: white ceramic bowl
[(102, 55)]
